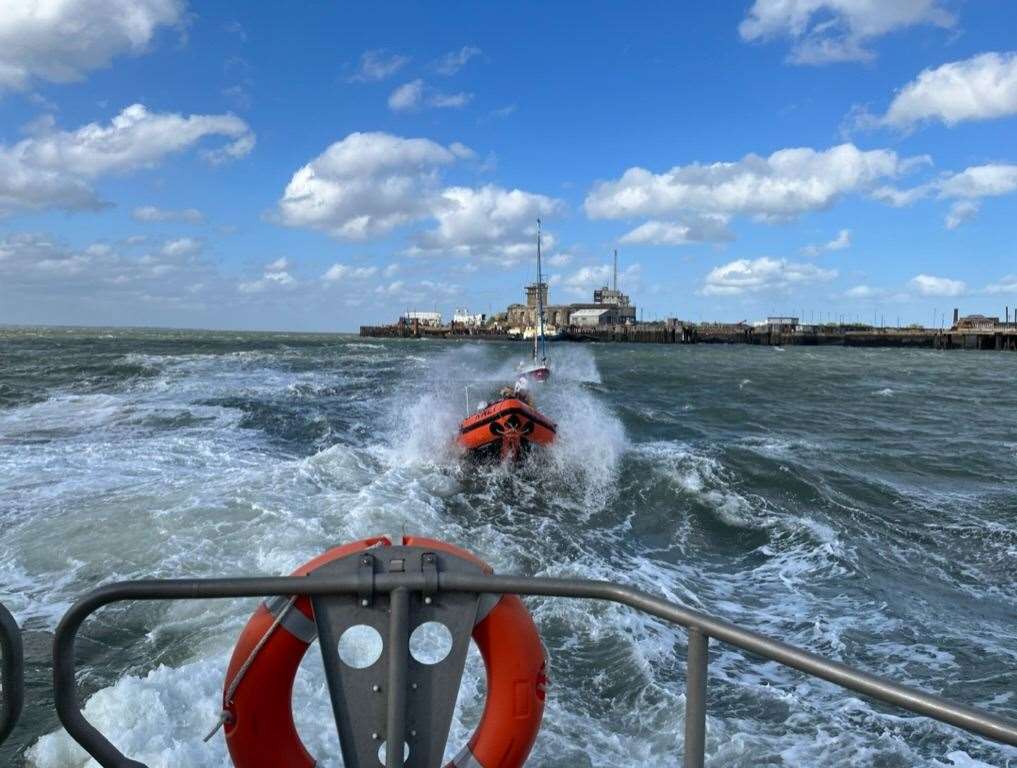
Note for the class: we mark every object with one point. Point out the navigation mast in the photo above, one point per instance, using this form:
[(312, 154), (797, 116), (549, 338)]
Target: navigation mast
[(540, 306)]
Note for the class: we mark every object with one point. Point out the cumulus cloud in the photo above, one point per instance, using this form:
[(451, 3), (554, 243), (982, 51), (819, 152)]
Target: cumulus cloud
[(275, 275), (182, 246), (62, 42), (452, 62), (378, 65), (839, 243), (862, 292), (560, 260), (762, 274), (980, 88), (367, 184), (340, 272), (930, 285), (151, 213), (786, 184), (977, 181), (827, 31), (417, 95), (708, 228), (584, 281), (55, 169), (960, 212), (967, 187), (900, 198), (407, 96), (487, 222)]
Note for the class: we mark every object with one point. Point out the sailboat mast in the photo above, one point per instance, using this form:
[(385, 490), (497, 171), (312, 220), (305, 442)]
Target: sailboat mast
[(540, 304)]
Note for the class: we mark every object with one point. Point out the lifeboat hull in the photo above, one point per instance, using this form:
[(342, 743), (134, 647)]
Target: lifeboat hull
[(505, 430), (538, 372)]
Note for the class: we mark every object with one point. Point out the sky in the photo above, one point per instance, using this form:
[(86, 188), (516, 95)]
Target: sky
[(318, 166)]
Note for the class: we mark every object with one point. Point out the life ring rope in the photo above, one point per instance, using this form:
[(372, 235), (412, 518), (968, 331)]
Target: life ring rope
[(231, 688)]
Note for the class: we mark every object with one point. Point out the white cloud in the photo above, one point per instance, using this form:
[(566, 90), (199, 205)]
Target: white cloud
[(930, 285), (378, 65), (453, 61), (839, 243), (826, 31), (276, 275), (960, 212), (560, 260), (36, 265), (416, 95), (708, 228), (980, 181), (369, 184), (279, 265), (338, 272), (488, 222), (450, 100), (1006, 285), (55, 169), (366, 185), (970, 185), (980, 88), (897, 197), (585, 280), (183, 246), (61, 41), (392, 289), (407, 96), (762, 274), (391, 269), (150, 213), (862, 292), (787, 183)]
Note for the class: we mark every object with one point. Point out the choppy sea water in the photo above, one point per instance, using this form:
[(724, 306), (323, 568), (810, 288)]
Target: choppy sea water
[(859, 503)]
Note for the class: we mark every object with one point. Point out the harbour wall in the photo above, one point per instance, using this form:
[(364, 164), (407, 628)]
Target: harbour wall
[(703, 333)]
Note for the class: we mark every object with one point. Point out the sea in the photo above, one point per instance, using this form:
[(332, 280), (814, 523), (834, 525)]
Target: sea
[(859, 503)]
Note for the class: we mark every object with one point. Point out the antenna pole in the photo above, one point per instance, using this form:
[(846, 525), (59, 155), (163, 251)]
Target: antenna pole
[(540, 303), (616, 269)]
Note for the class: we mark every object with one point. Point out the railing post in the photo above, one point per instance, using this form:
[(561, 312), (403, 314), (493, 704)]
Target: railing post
[(695, 698), (12, 674), (398, 659)]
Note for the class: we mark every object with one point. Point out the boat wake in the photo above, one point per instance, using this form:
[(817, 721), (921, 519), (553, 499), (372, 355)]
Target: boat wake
[(228, 460)]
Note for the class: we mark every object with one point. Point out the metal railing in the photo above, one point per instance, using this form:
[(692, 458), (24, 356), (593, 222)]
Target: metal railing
[(701, 629), (12, 674)]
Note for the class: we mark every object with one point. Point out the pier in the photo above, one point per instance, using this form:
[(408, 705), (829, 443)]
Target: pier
[(1002, 337)]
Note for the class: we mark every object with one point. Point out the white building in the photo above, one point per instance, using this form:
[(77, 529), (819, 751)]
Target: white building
[(463, 317), (431, 319), (590, 318)]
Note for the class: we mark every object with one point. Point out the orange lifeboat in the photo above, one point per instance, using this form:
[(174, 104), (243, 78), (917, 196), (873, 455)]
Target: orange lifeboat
[(505, 430)]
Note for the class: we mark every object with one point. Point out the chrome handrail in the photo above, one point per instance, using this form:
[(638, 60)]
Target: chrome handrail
[(701, 627)]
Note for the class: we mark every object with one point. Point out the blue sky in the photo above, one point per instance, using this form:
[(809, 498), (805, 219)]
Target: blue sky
[(173, 162)]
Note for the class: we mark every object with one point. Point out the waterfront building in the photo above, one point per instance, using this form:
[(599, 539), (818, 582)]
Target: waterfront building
[(463, 317), (591, 317), (428, 319)]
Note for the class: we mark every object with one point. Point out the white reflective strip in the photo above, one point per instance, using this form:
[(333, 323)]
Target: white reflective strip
[(465, 759), (294, 622)]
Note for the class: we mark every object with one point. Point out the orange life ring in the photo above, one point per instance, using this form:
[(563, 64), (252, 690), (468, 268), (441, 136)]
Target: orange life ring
[(259, 727)]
